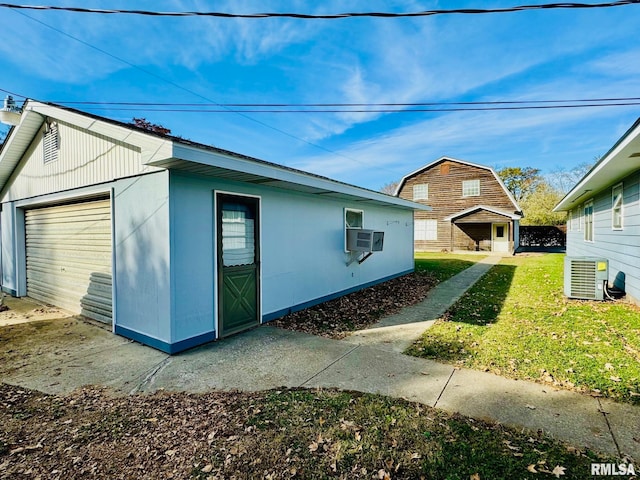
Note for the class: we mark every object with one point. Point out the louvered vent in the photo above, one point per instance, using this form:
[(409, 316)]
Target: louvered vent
[(584, 277), (51, 143)]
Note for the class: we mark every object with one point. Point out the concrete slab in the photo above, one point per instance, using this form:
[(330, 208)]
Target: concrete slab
[(624, 421), (392, 338), (263, 358), (563, 415), (59, 355), (117, 364), (372, 370)]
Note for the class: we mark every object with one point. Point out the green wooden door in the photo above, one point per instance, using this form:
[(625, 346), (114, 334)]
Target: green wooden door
[(238, 263)]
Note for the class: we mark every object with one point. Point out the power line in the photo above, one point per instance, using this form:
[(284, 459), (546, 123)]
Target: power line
[(336, 16), (627, 100), (493, 105), (372, 110), (184, 89)]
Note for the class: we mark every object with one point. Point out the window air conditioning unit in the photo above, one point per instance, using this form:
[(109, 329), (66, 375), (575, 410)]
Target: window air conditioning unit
[(360, 240), (585, 277)]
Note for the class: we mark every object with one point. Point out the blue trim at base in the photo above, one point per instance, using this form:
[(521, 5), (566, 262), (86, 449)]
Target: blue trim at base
[(10, 291), (301, 306), (170, 348)]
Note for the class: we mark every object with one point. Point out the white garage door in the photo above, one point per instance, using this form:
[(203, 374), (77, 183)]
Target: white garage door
[(69, 257)]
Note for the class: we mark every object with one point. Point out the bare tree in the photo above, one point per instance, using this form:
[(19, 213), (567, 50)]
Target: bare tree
[(390, 188), (564, 180)]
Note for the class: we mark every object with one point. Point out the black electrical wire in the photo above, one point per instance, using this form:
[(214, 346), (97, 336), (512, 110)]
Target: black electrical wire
[(350, 107), (521, 103), (368, 110), (303, 16)]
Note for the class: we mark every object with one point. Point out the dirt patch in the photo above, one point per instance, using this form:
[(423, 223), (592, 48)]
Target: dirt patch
[(32, 333), (361, 309), (15, 311), (279, 434)]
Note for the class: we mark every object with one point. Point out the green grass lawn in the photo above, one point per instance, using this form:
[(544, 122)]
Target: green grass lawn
[(444, 265), (516, 322)]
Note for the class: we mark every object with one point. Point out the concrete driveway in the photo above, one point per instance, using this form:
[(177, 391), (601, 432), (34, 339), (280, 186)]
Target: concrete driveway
[(58, 356)]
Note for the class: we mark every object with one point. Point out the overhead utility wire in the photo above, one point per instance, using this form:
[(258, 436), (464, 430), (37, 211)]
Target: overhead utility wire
[(184, 89), (350, 107), (370, 104), (373, 110), (303, 16)]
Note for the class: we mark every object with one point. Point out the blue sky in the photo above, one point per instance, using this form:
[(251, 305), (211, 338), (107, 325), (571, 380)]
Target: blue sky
[(535, 55)]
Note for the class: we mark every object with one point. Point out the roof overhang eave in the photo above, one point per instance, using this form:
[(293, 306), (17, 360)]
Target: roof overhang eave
[(468, 211), (210, 163), (17, 143)]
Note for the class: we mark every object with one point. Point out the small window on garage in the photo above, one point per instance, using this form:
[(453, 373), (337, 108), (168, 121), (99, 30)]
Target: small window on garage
[(616, 207), (471, 188), (421, 191), (50, 142), (352, 219)]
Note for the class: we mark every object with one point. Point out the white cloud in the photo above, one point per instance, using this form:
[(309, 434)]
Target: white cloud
[(626, 63), (492, 138)]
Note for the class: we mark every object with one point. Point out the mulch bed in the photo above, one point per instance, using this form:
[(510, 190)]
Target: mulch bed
[(361, 309)]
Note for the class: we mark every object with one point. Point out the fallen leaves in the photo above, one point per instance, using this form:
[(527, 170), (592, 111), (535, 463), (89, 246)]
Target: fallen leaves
[(272, 435), (358, 310)]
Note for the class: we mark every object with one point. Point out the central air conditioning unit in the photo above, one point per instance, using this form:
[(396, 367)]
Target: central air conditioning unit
[(360, 240), (585, 277)]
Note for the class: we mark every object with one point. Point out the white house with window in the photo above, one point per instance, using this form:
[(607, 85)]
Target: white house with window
[(604, 213), (175, 243)]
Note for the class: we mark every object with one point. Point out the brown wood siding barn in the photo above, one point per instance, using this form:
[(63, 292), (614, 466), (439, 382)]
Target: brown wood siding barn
[(471, 225)]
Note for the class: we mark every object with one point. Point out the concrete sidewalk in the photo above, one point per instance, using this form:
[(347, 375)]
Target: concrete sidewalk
[(268, 357), (397, 332)]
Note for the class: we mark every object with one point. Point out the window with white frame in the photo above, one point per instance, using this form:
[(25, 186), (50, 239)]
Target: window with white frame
[(352, 219), (471, 188), (421, 191), (616, 207), (576, 219), (588, 221), (425, 230), (570, 225)]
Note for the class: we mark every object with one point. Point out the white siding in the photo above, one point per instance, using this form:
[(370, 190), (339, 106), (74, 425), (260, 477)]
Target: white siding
[(84, 158)]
